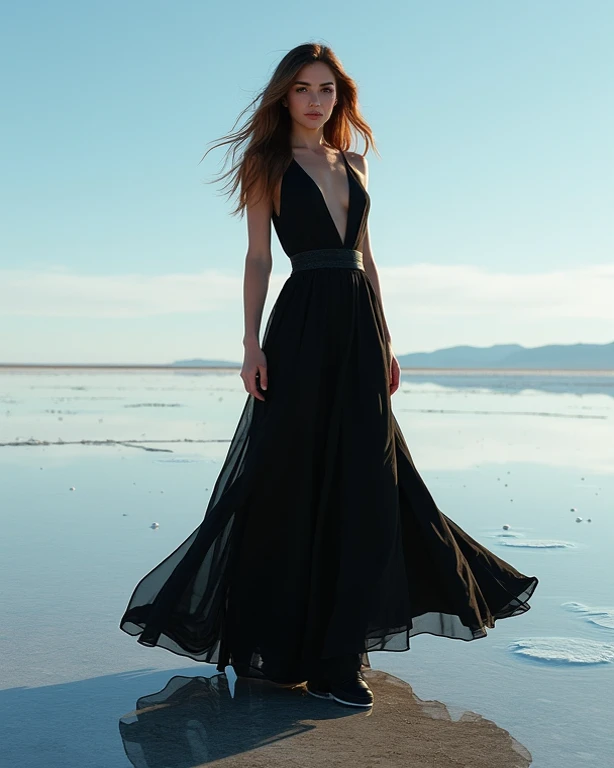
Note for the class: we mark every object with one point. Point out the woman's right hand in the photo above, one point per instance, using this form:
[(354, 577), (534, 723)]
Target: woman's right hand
[(254, 371)]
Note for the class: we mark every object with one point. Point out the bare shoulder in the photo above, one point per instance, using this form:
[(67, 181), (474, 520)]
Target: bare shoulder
[(360, 164)]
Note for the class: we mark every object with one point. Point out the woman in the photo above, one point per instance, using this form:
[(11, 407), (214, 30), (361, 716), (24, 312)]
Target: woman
[(320, 541)]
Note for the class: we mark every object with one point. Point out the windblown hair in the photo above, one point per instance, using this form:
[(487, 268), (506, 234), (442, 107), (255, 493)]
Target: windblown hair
[(267, 132)]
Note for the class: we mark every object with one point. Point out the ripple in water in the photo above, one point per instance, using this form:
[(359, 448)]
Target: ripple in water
[(564, 650), (603, 617), (537, 543)]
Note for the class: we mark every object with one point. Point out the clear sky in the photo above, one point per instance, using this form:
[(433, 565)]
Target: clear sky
[(492, 203)]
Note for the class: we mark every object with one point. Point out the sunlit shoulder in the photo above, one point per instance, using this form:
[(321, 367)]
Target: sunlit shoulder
[(360, 164)]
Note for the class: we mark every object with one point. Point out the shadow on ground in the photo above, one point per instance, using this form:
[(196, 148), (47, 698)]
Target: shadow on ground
[(196, 721)]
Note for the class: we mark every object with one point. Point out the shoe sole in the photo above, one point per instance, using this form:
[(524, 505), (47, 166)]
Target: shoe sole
[(336, 698), (320, 695), (350, 703)]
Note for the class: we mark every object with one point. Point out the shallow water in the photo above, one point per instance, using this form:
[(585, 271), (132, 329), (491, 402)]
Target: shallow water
[(531, 452)]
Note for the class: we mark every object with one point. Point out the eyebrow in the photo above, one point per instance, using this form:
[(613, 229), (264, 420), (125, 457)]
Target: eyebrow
[(304, 82)]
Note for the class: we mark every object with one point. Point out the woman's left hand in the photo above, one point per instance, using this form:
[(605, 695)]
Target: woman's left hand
[(395, 371)]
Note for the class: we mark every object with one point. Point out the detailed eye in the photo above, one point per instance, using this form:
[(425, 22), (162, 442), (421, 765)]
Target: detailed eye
[(302, 88)]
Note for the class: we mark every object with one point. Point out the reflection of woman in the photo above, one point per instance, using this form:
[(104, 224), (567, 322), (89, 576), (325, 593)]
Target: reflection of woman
[(320, 542)]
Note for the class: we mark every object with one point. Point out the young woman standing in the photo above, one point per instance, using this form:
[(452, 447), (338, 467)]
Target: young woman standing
[(320, 541)]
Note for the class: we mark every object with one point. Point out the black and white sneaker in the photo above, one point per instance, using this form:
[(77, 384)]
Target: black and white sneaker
[(353, 691), (319, 688)]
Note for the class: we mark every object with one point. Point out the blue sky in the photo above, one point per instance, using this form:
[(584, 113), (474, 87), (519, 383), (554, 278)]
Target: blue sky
[(491, 218)]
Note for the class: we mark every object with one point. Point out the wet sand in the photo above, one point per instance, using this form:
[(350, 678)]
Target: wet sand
[(195, 721)]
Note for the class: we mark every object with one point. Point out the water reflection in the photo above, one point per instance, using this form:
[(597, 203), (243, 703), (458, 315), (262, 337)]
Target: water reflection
[(195, 720), (511, 383)]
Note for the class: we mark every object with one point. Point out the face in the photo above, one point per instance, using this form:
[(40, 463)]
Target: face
[(314, 91)]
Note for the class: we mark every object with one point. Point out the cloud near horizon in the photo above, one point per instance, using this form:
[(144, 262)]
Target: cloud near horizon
[(416, 290)]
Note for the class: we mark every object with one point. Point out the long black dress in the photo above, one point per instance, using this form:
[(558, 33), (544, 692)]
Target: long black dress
[(320, 537)]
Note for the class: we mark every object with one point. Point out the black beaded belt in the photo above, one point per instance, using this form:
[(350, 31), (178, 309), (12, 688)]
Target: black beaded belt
[(327, 257)]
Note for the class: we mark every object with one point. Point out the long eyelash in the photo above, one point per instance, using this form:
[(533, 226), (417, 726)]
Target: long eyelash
[(328, 88)]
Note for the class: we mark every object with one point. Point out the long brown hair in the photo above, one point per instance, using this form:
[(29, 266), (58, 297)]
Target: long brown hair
[(267, 131)]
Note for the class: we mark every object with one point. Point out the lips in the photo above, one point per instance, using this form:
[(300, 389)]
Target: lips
[(319, 114)]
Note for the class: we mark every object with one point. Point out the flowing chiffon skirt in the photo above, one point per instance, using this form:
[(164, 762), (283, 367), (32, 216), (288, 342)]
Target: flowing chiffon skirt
[(320, 537)]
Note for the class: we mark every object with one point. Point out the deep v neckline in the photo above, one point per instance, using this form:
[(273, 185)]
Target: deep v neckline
[(317, 186)]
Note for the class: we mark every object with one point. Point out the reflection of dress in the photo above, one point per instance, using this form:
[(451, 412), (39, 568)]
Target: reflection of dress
[(320, 537)]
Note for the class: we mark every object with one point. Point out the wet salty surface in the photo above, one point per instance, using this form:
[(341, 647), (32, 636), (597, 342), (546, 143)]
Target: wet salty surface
[(533, 453)]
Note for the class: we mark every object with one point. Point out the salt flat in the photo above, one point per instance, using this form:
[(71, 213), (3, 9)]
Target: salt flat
[(532, 452)]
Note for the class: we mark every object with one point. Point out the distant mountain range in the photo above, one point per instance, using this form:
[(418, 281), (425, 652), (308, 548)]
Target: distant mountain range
[(594, 357)]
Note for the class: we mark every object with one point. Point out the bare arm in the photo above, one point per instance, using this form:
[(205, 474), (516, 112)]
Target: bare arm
[(258, 265), (365, 246)]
